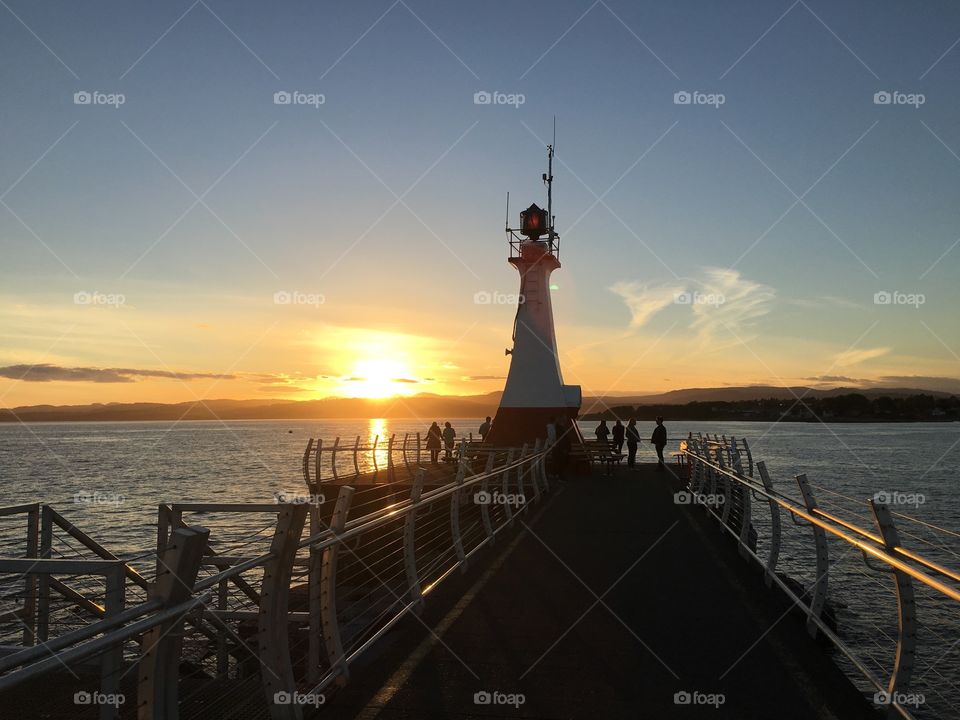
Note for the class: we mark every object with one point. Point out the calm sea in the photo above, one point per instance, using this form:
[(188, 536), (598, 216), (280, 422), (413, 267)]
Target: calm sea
[(145, 463)]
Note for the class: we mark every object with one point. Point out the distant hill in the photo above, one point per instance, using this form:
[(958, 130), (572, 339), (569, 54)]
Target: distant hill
[(426, 406)]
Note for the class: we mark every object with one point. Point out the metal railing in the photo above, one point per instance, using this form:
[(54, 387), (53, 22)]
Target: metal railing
[(723, 478), (288, 608)]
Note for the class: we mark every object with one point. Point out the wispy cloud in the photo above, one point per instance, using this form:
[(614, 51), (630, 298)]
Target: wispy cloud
[(738, 304), (855, 357), (644, 300), (56, 373)]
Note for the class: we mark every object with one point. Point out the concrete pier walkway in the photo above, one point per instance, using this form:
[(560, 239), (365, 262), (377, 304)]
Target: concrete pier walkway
[(608, 601)]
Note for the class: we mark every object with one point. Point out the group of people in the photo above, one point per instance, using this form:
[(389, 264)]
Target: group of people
[(631, 435), (444, 438)]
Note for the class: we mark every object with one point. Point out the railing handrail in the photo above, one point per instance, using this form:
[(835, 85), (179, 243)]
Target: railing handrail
[(817, 517)]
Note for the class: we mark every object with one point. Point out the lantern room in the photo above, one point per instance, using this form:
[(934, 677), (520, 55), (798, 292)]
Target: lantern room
[(534, 222)]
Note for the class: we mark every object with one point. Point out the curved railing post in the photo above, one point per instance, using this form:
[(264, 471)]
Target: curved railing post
[(820, 542), (409, 542), (273, 636), (773, 556), (306, 463), (390, 469), (418, 449), (455, 498), (906, 655), (318, 464), (406, 458), (749, 452), (484, 499), (328, 587), (356, 461), (333, 459), (159, 666)]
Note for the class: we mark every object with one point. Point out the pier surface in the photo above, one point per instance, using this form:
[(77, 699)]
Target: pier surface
[(605, 602)]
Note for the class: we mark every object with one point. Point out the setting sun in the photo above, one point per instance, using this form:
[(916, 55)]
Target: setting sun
[(379, 378)]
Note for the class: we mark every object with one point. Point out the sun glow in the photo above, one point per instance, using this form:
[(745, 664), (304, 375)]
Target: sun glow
[(379, 378)]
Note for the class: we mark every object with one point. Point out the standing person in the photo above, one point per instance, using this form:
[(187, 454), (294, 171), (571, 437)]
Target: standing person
[(448, 435), (618, 431), (433, 442), (485, 429), (602, 432), (659, 440), (633, 439)]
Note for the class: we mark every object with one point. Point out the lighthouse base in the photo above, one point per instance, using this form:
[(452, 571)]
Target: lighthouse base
[(514, 426)]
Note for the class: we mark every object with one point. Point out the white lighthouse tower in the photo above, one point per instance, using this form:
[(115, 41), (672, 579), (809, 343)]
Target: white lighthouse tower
[(535, 393)]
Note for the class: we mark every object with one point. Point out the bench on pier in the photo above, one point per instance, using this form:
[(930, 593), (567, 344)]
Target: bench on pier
[(602, 453)]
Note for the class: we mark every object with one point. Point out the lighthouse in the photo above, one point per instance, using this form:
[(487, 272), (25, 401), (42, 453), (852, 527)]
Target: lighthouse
[(535, 393)]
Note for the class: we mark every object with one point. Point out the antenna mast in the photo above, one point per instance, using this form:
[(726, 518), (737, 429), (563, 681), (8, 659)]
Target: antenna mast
[(548, 181)]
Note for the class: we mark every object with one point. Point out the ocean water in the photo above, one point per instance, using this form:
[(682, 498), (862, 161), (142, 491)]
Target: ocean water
[(108, 479)]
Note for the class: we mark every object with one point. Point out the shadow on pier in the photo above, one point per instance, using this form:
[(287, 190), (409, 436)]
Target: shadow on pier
[(610, 601)]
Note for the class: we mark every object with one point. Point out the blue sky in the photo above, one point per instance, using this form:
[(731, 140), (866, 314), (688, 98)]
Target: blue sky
[(693, 197)]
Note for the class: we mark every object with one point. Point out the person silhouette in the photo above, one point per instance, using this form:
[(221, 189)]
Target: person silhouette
[(659, 440), (618, 432), (433, 442), (448, 435), (633, 439), (602, 432)]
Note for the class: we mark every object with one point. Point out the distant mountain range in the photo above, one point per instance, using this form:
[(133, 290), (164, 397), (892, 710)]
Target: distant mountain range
[(426, 406)]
